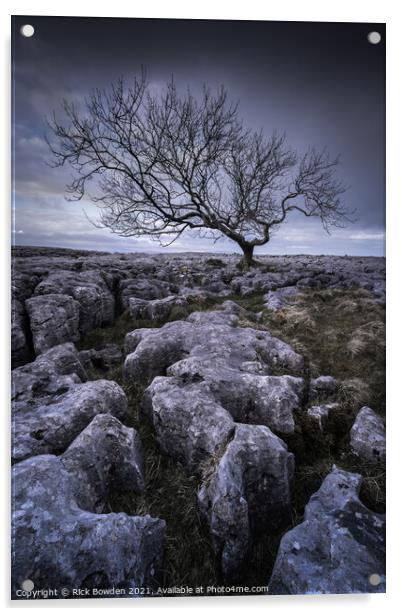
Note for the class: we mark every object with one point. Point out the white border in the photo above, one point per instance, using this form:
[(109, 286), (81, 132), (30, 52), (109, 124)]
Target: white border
[(286, 10)]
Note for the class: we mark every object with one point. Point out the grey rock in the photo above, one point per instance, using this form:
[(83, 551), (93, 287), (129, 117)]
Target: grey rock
[(142, 288), (214, 317), (52, 374), (275, 300), (50, 426), (57, 544), (195, 294), (50, 404), (337, 547), (245, 390), (53, 319), (322, 388), (106, 457), (189, 424), (367, 436), (203, 334), (89, 289), (320, 414), (157, 310), (249, 491), (103, 359), (62, 359), (255, 281)]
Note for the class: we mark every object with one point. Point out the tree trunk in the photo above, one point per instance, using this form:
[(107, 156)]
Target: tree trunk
[(248, 250)]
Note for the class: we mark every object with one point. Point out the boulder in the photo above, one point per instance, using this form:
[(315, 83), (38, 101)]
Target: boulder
[(51, 405), (56, 544), (61, 359), (53, 319), (248, 491), (52, 374), (322, 388), (142, 288), (49, 426), (89, 289), (189, 424), (245, 390), (338, 548), (275, 300), (256, 281), (157, 310), (367, 436), (105, 458), (320, 414)]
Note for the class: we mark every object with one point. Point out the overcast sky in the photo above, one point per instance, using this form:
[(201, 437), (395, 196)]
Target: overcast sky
[(321, 83)]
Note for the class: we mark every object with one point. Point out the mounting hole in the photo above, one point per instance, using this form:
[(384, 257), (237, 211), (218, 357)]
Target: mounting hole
[(374, 38), (27, 585), (375, 579), (27, 30)]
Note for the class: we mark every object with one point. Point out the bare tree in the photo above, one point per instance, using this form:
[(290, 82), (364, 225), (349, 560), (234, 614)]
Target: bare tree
[(170, 162)]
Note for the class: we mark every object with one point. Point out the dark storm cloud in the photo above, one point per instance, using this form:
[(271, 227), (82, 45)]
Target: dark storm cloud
[(321, 83)]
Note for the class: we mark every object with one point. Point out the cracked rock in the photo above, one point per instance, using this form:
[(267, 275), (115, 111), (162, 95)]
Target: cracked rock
[(56, 543), (105, 457), (54, 319), (203, 334), (89, 288), (249, 491), (155, 310), (51, 406), (189, 424), (367, 436), (337, 547)]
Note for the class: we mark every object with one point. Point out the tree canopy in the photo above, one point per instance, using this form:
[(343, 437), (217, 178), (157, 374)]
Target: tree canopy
[(170, 162)]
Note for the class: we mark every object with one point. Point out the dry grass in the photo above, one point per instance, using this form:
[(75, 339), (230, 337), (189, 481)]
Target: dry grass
[(170, 494), (297, 318), (341, 333), (354, 393), (368, 338)]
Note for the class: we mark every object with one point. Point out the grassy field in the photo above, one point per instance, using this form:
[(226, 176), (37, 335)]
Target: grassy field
[(340, 333)]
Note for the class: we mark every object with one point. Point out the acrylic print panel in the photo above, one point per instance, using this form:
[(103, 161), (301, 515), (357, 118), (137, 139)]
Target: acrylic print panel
[(198, 308)]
